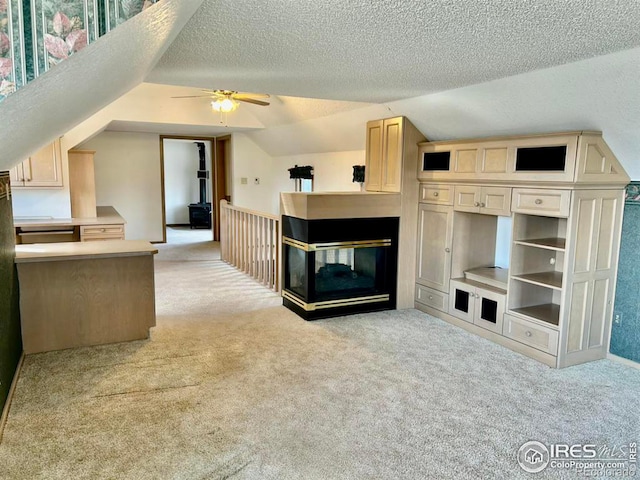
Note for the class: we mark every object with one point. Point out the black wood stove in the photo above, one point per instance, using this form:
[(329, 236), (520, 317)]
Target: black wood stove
[(200, 213)]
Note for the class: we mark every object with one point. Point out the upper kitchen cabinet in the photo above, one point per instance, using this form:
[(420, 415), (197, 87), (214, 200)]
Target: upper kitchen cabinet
[(42, 170), (391, 149)]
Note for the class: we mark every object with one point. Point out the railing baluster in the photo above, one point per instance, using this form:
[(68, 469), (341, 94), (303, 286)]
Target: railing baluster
[(249, 241)]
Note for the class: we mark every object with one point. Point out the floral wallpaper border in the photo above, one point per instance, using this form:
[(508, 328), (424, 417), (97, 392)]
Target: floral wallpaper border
[(632, 194), (36, 35)]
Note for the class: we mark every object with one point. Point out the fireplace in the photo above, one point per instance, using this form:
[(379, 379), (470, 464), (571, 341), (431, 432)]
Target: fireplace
[(339, 266)]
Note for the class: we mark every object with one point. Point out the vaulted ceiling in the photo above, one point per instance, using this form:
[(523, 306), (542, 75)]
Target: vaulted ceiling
[(379, 51), (455, 67)]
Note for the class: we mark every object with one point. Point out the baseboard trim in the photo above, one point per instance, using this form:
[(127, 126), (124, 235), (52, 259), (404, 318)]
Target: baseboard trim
[(626, 361), (7, 405)]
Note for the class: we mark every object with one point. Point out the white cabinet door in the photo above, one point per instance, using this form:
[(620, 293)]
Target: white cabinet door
[(435, 235), (375, 153)]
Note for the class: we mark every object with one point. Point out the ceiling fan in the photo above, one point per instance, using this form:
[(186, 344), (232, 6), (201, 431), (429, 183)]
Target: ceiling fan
[(225, 101)]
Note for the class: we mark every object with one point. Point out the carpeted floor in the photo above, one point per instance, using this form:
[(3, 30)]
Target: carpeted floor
[(233, 385)]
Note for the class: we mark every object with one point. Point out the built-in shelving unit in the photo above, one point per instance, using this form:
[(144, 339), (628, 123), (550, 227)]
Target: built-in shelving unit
[(564, 194)]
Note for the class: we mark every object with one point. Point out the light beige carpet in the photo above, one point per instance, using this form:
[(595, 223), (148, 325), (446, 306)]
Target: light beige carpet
[(233, 385)]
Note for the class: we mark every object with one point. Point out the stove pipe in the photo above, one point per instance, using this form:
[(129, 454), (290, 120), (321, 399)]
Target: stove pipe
[(203, 173)]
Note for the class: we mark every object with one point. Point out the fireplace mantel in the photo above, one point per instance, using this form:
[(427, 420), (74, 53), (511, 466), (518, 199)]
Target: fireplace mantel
[(326, 205)]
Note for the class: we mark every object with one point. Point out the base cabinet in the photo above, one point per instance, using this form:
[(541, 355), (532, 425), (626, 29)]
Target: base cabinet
[(91, 233), (480, 305), (435, 238), (530, 333)]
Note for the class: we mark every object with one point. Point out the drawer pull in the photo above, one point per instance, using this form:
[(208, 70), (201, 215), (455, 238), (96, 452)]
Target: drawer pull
[(527, 333), (435, 194), (103, 230), (538, 201)]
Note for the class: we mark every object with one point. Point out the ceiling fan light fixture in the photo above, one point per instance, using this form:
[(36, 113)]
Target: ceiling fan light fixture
[(224, 105)]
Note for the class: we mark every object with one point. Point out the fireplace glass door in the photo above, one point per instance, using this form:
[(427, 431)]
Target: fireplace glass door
[(336, 273)]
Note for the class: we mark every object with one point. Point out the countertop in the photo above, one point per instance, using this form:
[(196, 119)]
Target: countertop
[(106, 216), (51, 252)]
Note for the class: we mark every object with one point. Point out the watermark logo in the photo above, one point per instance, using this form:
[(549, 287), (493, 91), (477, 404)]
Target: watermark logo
[(533, 457), (584, 459)]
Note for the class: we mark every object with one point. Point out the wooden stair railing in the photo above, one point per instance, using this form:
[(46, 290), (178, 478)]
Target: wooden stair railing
[(250, 241)]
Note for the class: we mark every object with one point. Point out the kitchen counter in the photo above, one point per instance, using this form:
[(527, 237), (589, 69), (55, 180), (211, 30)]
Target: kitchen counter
[(105, 216), (48, 252), (81, 294), (107, 225)]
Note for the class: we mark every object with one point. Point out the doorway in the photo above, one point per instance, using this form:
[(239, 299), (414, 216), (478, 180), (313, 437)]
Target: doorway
[(185, 184)]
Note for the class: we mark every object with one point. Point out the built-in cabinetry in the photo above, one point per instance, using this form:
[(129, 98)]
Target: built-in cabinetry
[(564, 194), (82, 183), (391, 166), (42, 170)]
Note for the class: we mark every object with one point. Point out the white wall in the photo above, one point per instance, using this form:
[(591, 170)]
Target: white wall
[(55, 203), (127, 169), (332, 172), (250, 161), (181, 185)]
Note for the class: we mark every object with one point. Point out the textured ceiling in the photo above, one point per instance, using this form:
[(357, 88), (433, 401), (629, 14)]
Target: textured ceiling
[(66, 95), (386, 50)]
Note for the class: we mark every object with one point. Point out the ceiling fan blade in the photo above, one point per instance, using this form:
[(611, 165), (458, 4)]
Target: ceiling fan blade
[(252, 100), (240, 95), (193, 96)]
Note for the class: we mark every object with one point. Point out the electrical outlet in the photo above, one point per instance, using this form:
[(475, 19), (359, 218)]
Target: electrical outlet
[(617, 319), (256, 181)]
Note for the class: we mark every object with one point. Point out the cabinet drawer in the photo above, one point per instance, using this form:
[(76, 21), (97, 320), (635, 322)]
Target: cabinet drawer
[(101, 232), (439, 194), (432, 298), (554, 203), (532, 334)]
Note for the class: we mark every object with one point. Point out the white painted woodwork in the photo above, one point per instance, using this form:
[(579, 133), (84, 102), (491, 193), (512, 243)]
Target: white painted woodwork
[(435, 237), (42, 170), (436, 193), (565, 241), (392, 162), (432, 298), (475, 293), (485, 200), (374, 156), (531, 334), (549, 202)]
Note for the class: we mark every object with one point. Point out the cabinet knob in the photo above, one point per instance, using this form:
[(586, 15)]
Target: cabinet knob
[(527, 333), (477, 296), (482, 204), (103, 230), (435, 194), (538, 201), (447, 249), (430, 297), (476, 204)]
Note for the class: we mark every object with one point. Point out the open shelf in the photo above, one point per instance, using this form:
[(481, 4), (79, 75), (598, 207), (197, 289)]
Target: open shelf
[(549, 313), (551, 243), (543, 279)]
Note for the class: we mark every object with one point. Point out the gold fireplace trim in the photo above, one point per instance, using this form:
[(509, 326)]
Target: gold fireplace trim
[(314, 247), (344, 302)]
